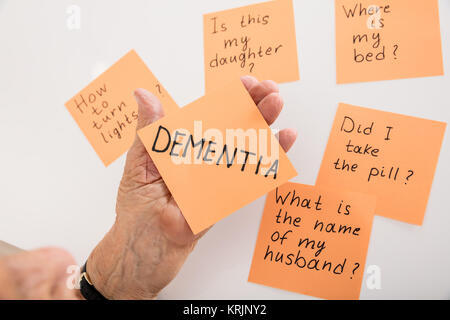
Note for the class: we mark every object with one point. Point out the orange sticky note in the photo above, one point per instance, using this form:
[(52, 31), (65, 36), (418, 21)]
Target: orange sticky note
[(389, 155), (256, 40), (216, 155), (385, 40), (106, 110), (313, 241)]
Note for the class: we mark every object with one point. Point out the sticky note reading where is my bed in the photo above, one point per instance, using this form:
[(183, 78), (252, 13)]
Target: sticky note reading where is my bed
[(385, 40), (389, 155), (216, 155), (313, 241), (106, 110), (257, 40)]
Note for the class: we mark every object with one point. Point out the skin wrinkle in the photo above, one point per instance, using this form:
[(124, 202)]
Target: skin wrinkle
[(132, 257), (146, 167), (143, 166), (107, 278), (158, 189), (155, 252), (149, 168), (142, 191), (131, 182)]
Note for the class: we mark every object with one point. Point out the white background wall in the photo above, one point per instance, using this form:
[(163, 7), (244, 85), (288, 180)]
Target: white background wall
[(55, 191)]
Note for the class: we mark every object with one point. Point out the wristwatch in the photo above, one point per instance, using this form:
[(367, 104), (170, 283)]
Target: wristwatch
[(87, 289)]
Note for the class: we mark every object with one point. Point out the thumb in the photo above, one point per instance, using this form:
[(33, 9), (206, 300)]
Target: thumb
[(149, 108), (149, 111)]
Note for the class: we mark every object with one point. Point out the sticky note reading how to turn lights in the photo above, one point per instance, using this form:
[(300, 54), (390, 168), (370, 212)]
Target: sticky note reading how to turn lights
[(106, 110)]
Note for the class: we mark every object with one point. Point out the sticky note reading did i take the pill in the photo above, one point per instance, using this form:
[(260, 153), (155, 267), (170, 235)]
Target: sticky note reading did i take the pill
[(106, 110), (217, 155), (391, 156)]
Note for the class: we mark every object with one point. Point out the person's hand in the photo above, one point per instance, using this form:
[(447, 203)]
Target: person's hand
[(37, 275), (150, 239)]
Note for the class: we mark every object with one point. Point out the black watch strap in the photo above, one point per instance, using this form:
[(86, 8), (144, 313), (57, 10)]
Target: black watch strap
[(87, 289)]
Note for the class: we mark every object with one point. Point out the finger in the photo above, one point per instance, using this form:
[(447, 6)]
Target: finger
[(259, 90), (249, 82), (270, 107), (149, 111), (287, 137)]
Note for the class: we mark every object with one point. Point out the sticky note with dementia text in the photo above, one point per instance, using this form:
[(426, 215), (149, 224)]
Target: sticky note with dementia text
[(385, 40), (217, 155), (389, 155), (106, 110), (257, 40), (313, 241)]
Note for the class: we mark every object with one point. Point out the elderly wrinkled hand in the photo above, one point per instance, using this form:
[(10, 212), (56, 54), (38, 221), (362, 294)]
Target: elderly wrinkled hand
[(150, 239)]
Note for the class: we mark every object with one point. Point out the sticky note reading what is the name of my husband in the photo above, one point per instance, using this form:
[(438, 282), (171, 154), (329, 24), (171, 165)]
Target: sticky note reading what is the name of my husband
[(313, 241), (216, 155), (106, 110), (387, 39), (257, 40), (389, 155)]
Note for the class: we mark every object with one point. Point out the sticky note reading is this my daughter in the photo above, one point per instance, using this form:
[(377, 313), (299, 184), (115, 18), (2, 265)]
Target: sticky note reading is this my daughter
[(257, 40)]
